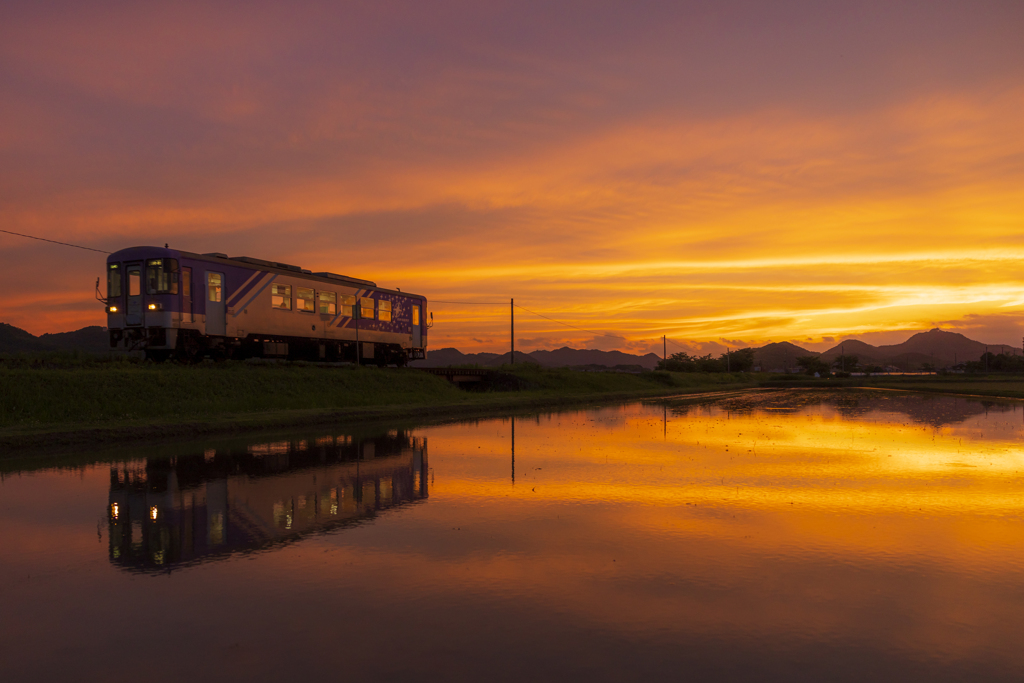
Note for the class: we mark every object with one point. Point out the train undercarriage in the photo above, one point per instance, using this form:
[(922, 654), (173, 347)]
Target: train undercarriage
[(189, 346)]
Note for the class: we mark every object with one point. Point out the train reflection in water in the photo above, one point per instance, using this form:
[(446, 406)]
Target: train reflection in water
[(171, 512)]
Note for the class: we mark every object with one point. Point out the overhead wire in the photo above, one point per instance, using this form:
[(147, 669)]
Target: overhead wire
[(582, 329), (675, 343), (65, 244), (436, 301), (470, 303), (540, 315)]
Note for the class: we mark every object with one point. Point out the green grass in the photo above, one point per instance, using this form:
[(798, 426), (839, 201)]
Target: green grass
[(1002, 386), (565, 381), (35, 397), (69, 396), (984, 385)]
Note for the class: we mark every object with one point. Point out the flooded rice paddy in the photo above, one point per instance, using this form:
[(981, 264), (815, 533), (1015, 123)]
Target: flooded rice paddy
[(791, 535)]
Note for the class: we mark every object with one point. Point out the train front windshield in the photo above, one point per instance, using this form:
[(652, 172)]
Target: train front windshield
[(114, 281), (162, 276)]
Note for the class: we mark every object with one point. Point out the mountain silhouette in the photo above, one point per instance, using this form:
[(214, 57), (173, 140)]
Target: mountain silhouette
[(779, 356), (92, 339), (938, 347)]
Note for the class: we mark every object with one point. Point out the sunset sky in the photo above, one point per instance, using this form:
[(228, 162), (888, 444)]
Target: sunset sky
[(719, 172)]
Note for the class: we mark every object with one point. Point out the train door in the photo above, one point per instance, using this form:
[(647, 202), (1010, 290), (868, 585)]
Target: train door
[(327, 306), (187, 312), (133, 311), (216, 323), (417, 336)]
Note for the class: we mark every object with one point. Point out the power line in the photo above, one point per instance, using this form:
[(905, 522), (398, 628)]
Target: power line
[(677, 344), (502, 303), (471, 303), (436, 301), (600, 334), (65, 244), (541, 315)]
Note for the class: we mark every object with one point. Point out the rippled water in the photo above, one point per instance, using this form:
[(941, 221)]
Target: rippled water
[(794, 535)]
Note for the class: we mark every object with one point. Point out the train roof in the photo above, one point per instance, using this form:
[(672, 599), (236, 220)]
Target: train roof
[(131, 253)]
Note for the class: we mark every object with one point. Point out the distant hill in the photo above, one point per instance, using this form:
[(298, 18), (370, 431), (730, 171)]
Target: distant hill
[(442, 358), (87, 340), (936, 346), (16, 340), (779, 356), (93, 339), (940, 348), (854, 347)]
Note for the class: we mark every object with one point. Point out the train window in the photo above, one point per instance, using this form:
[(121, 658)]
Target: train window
[(214, 287), (348, 303), (328, 303), (281, 297), (134, 283), (366, 307), (304, 299), (162, 276), (114, 280), (415, 315), (385, 310)]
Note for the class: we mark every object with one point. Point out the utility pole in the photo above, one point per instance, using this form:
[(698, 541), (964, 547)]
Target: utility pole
[(727, 369), (664, 347), (512, 311)]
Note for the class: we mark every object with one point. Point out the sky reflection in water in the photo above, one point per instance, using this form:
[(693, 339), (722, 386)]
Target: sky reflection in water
[(774, 535)]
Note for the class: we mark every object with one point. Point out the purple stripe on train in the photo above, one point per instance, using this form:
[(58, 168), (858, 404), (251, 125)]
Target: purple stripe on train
[(248, 285)]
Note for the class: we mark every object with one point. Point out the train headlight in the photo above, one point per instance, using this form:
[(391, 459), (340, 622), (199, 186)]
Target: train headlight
[(155, 307), (111, 309)]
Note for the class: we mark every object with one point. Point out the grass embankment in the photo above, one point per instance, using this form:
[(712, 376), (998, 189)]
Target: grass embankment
[(62, 403), (996, 386)]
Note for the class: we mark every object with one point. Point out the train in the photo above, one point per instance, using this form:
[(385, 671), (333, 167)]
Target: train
[(173, 304)]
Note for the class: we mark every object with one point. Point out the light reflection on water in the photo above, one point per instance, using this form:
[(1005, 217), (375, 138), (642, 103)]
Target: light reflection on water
[(189, 508), (790, 535)]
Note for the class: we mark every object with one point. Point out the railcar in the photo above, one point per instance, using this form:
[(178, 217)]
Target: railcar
[(177, 304)]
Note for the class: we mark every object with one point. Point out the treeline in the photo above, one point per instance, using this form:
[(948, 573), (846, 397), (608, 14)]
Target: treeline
[(991, 362), (843, 365), (741, 360)]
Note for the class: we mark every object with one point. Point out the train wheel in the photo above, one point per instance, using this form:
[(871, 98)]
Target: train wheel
[(223, 353), (157, 355), (190, 349)]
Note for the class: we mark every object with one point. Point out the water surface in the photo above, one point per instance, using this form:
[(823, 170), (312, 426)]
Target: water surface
[(791, 535)]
